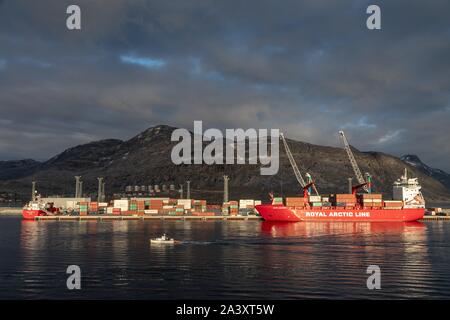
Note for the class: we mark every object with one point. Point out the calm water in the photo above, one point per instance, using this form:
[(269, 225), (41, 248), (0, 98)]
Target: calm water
[(223, 260)]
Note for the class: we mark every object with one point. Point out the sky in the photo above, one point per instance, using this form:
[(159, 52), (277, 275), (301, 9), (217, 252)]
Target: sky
[(309, 68)]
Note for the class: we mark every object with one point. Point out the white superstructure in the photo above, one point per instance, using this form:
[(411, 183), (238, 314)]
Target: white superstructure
[(408, 190)]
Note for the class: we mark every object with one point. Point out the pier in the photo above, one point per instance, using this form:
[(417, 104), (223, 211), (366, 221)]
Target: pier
[(435, 218), (182, 218)]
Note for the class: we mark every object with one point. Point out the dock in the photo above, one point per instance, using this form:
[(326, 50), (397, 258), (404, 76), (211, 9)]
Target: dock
[(10, 211), (180, 218), (142, 218), (435, 218)]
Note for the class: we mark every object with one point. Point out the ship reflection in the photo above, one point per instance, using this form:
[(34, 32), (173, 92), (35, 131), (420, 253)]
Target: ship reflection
[(314, 229)]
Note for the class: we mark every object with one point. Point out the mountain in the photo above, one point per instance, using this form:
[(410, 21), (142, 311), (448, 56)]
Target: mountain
[(17, 168), (437, 174), (145, 160)]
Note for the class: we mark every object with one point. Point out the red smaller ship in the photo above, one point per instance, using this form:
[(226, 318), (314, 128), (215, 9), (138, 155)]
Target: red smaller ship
[(36, 208)]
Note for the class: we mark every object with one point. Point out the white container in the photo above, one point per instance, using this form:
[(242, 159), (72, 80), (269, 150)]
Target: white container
[(71, 204), (186, 203), (109, 210), (152, 211), (123, 205), (246, 202), (315, 199), (257, 202)]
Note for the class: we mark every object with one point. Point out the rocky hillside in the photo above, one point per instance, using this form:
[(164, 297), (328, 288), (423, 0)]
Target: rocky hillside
[(437, 174), (145, 160), (17, 169)]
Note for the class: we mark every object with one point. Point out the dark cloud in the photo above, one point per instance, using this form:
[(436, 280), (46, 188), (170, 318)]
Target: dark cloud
[(306, 67)]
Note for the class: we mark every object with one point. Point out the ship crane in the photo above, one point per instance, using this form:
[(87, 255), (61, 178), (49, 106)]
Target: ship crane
[(362, 182), (297, 172)]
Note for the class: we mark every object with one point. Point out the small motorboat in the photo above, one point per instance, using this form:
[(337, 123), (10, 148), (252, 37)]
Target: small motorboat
[(163, 240)]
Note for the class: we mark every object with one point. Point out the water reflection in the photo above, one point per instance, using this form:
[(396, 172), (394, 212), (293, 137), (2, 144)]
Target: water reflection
[(230, 259), (315, 229)]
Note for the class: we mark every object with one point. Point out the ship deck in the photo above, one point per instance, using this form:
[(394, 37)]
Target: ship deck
[(109, 217)]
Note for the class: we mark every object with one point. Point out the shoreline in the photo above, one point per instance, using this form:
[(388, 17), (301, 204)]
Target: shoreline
[(15, 211), (10, 211)]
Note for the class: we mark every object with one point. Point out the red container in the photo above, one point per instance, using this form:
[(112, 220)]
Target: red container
[(156, 204)]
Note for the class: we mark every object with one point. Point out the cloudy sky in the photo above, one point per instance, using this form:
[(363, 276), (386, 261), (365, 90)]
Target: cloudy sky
[(308, 68)]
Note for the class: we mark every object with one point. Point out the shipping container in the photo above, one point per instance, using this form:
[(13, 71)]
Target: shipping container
[(315, 198), (122, 204), (243, 203), (186, 203), (277, 200), (296, 201), (371, 196)]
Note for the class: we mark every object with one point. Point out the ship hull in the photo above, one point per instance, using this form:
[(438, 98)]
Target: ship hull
[(29, 214), (296, 214)]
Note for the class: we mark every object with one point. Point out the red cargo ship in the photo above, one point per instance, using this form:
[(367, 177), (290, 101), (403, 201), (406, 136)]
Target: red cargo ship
[(294, 214), (408, 205)]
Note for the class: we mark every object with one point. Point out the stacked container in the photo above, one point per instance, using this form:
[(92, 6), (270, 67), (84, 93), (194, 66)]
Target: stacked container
[(156, 204), (133, 208), (83, 208), (371, 200), (246, 206), (93, 208), (186, 203), (140, 207), (296, 202), (234, 208), (179, 211), (315, 201), (199, 205), (120, 206), (343, 200), (226, 208), (102, 207), (393, 204)]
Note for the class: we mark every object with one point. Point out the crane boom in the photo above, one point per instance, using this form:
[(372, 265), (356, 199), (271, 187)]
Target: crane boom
[(297, 173), (294, 166), (352, 159)]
